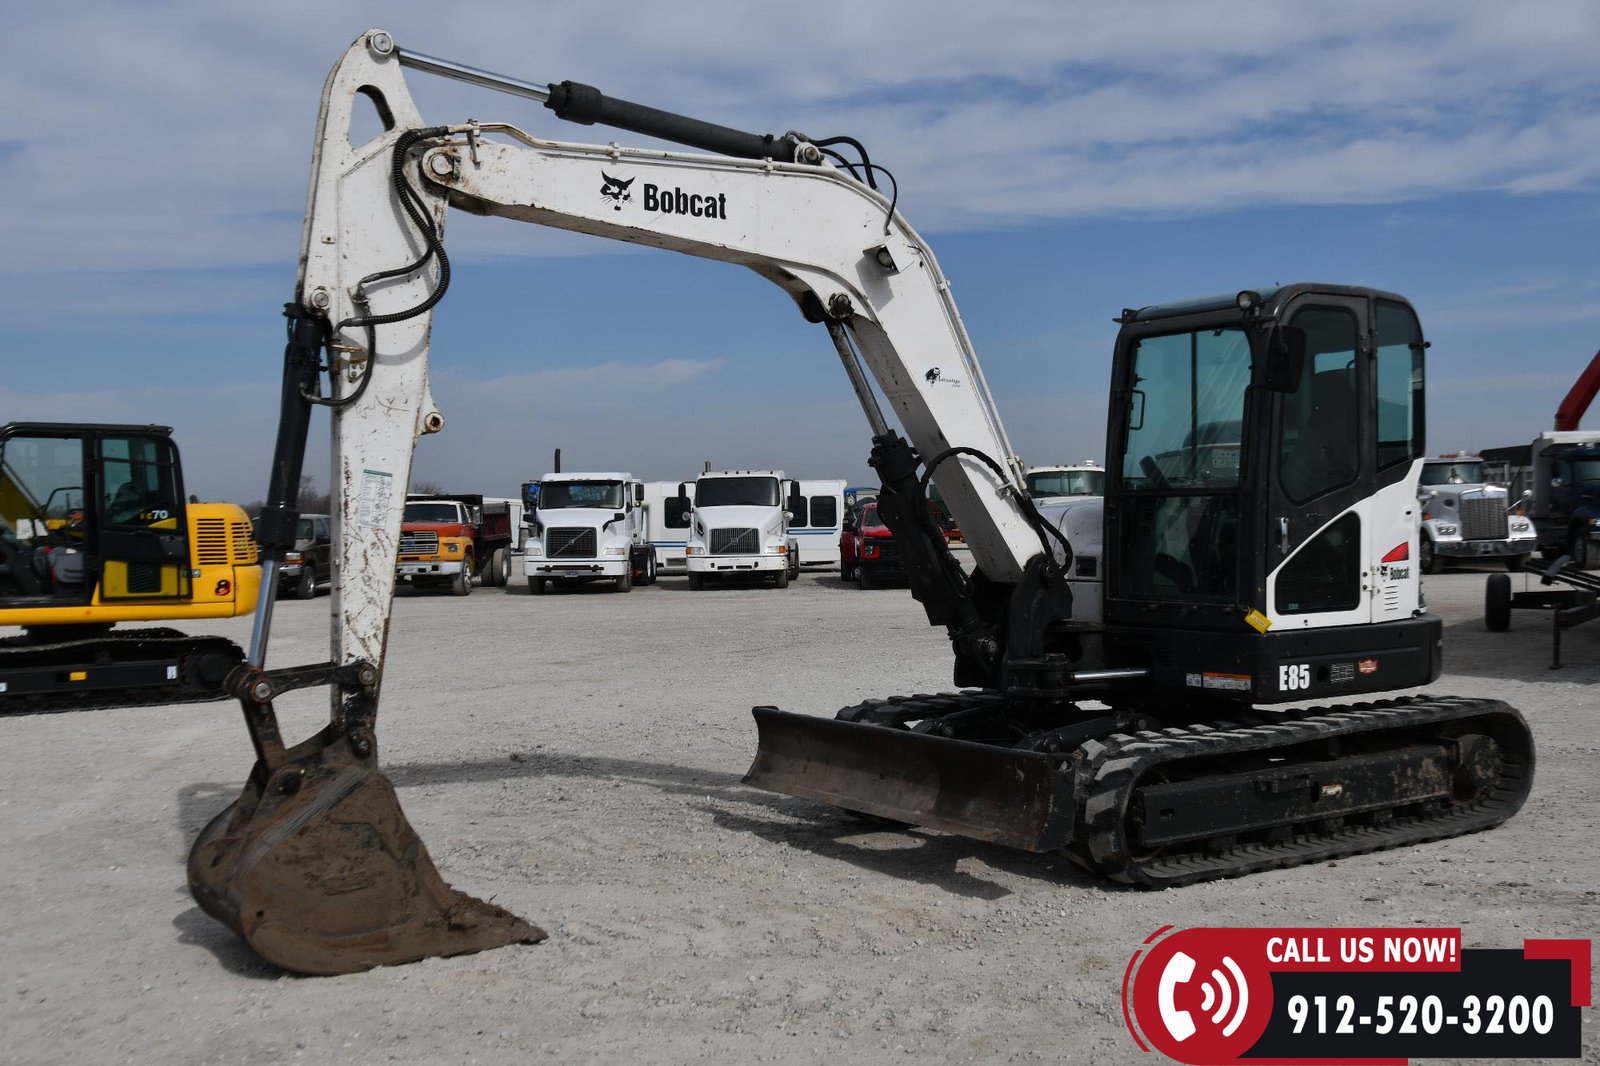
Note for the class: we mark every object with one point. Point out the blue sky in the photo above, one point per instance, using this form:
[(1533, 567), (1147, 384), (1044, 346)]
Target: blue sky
[(1064, 160)]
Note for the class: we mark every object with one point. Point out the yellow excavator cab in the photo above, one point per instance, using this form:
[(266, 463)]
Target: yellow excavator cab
[(95, 530)]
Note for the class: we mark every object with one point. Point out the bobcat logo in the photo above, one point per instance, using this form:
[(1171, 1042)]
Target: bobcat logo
[(616, 190), (932, 375), (937, 377)]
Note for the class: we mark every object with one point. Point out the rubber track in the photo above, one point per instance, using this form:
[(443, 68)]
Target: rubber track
[(126, 644), (1112, 769)]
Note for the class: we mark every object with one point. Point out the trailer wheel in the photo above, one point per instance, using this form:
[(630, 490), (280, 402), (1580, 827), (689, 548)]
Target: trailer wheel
[(650, 568), (1497, 603), (461, 585)]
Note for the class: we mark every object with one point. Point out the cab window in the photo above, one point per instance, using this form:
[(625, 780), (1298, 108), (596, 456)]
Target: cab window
[(1320, 448), (139, 480)]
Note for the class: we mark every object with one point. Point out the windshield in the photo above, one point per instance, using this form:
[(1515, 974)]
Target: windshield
[(736, 492), (1463, 473), (431, 512), (1586, 469), (1186, 411), (1066, 483), (605, 495), (869, 517)]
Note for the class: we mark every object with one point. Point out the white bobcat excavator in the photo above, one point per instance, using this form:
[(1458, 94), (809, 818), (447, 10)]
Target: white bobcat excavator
[(1257, 543)]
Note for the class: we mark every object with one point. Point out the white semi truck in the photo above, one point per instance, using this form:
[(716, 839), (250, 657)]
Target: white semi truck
[(740, 525), (589, 527)]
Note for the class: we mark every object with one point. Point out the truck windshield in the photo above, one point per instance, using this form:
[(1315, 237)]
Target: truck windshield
[(605, 495), (1586, 469), (1464, 473), (433, 512), (736, 492), (1066, 483)]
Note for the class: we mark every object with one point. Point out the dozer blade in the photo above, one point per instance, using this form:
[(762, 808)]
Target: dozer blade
[(316, 867), (1022, 799)]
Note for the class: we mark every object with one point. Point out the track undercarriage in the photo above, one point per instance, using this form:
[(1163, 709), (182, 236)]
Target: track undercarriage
[(71, 668), (1148, 798)]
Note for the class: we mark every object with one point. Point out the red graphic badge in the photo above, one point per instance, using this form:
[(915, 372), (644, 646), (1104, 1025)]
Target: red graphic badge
[(1196, 996)]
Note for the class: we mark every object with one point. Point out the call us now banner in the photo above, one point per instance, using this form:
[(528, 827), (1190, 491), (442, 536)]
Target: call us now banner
[(1363, 995)]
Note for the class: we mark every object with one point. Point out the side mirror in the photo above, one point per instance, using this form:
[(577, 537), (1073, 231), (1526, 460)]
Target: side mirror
[(638, 493), (1527, 494), (688, 516), (1556, 483), (1284, 360), (788, 516)]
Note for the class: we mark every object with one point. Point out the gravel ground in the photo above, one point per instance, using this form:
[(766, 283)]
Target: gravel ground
[(577, 759)]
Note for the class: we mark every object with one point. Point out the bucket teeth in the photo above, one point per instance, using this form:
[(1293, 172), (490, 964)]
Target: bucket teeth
[(317, 868)]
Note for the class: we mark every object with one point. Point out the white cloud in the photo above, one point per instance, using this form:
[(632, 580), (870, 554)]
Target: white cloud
[(177, 137)]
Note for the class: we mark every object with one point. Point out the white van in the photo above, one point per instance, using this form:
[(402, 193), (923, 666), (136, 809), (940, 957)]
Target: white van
[(667, 528), (816, 522)]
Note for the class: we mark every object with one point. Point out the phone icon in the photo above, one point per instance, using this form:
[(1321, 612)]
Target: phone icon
[(1179, 969)]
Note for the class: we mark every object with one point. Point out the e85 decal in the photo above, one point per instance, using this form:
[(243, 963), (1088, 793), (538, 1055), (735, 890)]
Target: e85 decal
[(1294, 676)]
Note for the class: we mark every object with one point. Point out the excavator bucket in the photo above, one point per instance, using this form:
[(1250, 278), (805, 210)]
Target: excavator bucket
[(316, 867), (1022, 799)]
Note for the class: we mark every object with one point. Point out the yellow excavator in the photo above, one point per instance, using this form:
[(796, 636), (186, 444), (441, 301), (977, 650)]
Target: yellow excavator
[(95, 530)]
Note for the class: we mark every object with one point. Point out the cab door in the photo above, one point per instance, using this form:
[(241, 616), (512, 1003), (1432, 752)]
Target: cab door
[(143, 541), (1318, 537)]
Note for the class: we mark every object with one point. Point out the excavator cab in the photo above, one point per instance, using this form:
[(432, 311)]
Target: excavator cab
[(95, 529), (1263, 448)]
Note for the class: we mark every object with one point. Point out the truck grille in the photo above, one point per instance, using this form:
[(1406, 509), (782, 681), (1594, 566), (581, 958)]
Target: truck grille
[(1484, 518), (423, 542), (576, 543), (734, 542)]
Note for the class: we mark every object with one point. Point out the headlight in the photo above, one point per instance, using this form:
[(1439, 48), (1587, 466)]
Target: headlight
[(291, 558), (781, 549), (1520, 526), (691, 550), (616, 551), (869, 550), (1447, 530), (453, 549), (534, 548)]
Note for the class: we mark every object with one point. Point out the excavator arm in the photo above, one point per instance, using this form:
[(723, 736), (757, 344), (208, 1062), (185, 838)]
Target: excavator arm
[(372, 268)]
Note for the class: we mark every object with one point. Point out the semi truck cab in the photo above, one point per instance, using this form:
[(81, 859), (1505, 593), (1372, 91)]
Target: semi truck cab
[(740, 525), (589, 527)]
